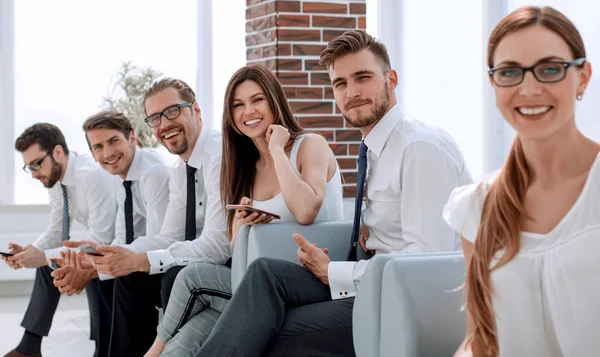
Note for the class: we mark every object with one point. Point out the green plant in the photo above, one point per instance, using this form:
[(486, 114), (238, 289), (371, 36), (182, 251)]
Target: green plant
[(126, 95)]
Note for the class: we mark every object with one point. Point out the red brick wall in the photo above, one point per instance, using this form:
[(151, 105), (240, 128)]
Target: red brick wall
[(287, 37)]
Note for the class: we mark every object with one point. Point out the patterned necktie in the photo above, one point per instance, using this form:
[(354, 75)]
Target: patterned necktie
[(66, 224), (360, 183), (190, 205), (128, 212)]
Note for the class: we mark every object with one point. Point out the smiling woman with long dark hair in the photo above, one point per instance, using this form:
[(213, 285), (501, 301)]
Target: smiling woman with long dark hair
[(270, 163)]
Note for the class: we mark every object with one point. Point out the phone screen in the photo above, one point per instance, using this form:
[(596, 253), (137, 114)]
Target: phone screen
[(54, 265)]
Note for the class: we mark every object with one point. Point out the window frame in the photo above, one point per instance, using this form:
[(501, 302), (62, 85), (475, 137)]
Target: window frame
[(7, 102)]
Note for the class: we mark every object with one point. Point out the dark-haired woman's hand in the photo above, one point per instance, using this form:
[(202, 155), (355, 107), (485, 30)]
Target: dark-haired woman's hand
[(277, 136)]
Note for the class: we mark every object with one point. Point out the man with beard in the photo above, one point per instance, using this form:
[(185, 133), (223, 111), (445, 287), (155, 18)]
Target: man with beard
[(194, 224), (79, 189), (412, 168)]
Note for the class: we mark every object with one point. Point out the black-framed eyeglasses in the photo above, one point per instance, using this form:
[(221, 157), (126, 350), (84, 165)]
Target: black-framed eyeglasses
[(36, 166), (170, 113), (544, 72)]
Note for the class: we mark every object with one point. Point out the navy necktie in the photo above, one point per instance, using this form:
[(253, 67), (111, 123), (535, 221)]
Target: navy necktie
[(66, 224), (360, 183), (128, 212), (190, 205)]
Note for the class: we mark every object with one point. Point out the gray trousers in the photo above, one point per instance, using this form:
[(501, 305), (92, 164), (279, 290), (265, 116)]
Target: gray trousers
[(200, 293), (281, 309), (44, 301)]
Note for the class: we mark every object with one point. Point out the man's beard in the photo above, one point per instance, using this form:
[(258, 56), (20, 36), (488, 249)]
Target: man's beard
[(178, 150), (381, 105), (55, 173)]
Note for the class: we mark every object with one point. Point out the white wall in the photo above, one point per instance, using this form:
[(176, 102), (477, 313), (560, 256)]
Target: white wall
[(23, 224)]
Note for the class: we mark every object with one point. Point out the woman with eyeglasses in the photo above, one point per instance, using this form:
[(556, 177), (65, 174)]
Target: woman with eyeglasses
[(270, 163), (531, 232)]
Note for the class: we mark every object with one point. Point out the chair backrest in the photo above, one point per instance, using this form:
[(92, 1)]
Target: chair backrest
[(275, 240), (421, 304)]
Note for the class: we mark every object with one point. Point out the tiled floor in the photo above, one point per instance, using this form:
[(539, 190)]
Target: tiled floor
[(68, 335)]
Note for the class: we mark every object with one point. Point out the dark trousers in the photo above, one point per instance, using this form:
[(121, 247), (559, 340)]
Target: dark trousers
[(282, 309), (135, 317), (44, 301)]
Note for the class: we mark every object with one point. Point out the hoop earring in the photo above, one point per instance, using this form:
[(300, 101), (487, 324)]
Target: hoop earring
[(579, 96)]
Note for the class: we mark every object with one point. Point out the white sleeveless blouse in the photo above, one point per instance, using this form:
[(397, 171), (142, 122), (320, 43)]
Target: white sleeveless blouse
[(331, 209), (547, 299)]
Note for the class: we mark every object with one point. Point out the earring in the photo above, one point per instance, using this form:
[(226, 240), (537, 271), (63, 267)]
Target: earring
[(579, 96)]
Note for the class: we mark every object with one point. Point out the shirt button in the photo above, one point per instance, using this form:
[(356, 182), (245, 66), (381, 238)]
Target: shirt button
[(200, 203), (346, 293), (161, 263), (341, 294), (161, 270)]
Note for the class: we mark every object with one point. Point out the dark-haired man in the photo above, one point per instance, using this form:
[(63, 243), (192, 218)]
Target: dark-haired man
[(79, 190), (194, 224)]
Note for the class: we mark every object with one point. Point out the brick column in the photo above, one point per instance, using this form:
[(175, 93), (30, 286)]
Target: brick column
[(287, 37)]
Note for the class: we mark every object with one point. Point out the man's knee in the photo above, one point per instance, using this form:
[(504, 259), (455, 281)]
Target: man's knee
[(263, 265)]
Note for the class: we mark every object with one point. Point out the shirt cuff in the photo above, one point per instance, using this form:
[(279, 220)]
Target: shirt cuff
[(341, 280), (103, 277), (160, 261), (54, 253)]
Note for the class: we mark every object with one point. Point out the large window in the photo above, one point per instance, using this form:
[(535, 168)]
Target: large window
[(442, 71), (68, 51)]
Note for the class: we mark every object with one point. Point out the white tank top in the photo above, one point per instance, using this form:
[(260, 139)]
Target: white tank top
[(332, 207)]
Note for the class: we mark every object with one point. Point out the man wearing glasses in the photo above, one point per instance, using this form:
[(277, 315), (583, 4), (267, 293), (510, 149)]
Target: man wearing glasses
[(194, 224), (79, 189)]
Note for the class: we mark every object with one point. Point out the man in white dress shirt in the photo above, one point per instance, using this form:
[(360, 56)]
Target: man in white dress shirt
[(142, 192), (79, 189), (412, 168), (194, 223)]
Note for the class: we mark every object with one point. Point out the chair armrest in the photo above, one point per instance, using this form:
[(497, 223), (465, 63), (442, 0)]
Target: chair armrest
[(239, 256), (421, 305), (274, 240), (366, 314)]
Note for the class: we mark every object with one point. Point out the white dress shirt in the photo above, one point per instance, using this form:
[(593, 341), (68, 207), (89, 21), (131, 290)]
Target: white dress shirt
[(149, 176), (212, 244), (92, 203), (411, 170)]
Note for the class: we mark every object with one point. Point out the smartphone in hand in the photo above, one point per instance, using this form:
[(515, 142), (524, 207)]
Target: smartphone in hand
[(251, 209), (6, 254), (54, 265), (88, 249)]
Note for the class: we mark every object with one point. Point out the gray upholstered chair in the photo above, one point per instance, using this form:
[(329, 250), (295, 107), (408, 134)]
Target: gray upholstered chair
[(409, 305), (274, 240)]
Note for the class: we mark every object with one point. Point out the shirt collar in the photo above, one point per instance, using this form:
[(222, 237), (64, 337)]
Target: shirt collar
[(69, 176), (135, 169), (195, 160), (380, 133)]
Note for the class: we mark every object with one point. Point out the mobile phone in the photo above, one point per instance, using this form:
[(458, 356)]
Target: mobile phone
[(6, 254), (88, 249), (251, 209), (53, 265)]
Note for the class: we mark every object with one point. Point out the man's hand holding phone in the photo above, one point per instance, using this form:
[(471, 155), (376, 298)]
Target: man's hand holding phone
[(25, 257), (112, 260)]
